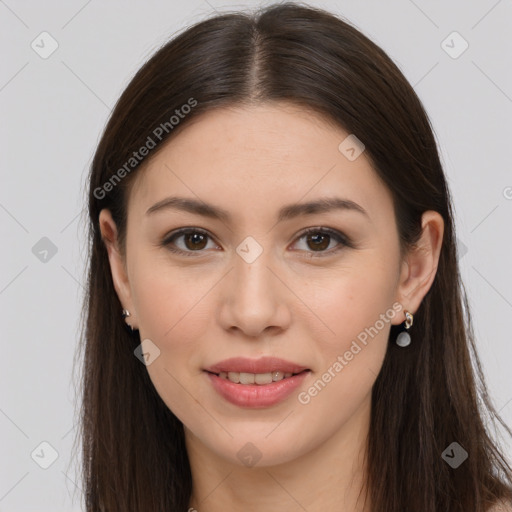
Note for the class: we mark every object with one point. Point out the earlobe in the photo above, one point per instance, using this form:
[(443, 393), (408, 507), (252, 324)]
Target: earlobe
[(117, 263), (420, 265)]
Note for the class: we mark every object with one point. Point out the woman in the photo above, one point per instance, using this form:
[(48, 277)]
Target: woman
[(275, 317)]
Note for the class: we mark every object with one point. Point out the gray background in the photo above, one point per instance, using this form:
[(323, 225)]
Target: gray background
[(53, 110)]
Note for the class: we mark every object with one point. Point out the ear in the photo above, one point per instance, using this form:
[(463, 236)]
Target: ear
[(420, 264), (109, 236)]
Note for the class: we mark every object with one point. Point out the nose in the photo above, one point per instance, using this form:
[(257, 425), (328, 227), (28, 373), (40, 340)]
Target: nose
[(254, 299)]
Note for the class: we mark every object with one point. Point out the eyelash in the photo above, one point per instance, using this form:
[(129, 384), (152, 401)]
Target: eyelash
[(342, 240)]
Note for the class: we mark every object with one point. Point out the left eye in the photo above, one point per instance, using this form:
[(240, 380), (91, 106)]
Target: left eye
[(317, 240), (320, 239)]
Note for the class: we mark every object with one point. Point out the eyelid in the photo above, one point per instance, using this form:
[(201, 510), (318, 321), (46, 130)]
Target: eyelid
[(342, 239)]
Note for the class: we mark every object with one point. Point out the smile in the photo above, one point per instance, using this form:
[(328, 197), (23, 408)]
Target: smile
[(255, 378), (256, 391)]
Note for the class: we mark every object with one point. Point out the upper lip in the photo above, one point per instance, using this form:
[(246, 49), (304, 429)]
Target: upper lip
[(262, 365)]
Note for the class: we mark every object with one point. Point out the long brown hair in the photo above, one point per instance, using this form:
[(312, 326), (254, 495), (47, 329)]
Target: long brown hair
[(425, 398)]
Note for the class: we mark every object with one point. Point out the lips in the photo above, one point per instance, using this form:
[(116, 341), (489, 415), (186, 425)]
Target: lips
[(263, 365), (256, 383)]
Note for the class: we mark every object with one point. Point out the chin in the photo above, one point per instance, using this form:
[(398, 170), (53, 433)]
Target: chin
[(255, 447)]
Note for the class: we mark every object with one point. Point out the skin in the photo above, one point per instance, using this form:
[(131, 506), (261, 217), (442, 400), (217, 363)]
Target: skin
[(291, 302)]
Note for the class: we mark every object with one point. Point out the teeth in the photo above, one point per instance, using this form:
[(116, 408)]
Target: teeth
[(233, 377), (277, 376), (263, 378), (254, 378), (247, 378)]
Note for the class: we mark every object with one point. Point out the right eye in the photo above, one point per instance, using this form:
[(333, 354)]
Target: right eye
[(193, 240)]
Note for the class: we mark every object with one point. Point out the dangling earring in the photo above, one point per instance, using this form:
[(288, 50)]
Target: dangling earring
[(404, 338), (125, 314)]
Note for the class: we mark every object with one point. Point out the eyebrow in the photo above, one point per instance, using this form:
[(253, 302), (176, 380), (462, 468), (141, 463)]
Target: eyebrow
[(287, 212)]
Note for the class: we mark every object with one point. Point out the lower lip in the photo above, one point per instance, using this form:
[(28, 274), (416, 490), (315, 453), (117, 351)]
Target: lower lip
[(256, 395)]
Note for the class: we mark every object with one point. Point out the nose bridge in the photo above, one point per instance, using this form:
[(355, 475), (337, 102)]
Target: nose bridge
[(254, 279), (254, 299)]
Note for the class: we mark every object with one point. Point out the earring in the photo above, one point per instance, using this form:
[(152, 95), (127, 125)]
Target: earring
[(125, 314), (404, 338)]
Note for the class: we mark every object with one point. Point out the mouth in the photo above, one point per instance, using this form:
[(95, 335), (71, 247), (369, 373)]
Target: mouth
[(256, 390), (256, 383), (261, 379)]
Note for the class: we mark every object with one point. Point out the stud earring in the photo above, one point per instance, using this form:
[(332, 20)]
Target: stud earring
[(404, 338), (125, 314)]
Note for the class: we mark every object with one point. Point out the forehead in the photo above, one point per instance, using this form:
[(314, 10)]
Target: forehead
[(253, 156)]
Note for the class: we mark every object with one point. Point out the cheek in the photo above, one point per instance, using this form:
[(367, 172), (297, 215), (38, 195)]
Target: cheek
[(357, 309), (168, 300), (171, 312), (351, 303)]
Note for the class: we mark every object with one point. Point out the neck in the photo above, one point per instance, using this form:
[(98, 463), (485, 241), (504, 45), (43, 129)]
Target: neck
[(331, 476)]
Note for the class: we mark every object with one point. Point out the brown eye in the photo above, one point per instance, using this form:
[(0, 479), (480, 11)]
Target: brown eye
[(195, 241), (318, 241), (323, 241), (187, 241)]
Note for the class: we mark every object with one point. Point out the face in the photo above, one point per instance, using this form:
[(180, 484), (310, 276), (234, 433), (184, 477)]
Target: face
[(252, 283)]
